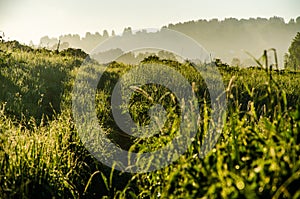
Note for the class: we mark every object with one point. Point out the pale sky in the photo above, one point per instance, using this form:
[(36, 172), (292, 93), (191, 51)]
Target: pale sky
[(26, 20)]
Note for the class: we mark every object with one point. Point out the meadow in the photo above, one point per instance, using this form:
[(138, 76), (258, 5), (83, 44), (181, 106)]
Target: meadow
[(42, 156)]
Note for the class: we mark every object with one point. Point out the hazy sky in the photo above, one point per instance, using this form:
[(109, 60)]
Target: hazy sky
[(26, 20)]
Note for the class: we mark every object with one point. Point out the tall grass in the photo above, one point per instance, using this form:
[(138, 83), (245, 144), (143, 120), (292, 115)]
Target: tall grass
[(42, 156)]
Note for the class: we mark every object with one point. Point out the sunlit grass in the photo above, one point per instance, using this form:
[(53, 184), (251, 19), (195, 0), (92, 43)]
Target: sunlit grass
[(42, 156)]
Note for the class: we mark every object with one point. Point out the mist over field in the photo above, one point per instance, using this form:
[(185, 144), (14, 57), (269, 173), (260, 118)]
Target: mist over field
[(224, 39)]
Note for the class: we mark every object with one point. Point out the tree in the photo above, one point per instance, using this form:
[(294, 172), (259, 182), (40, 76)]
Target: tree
[(127, 31), (292, 22), (48, 42), (298, 20), (105, 34), (64, 45), (294, 53), (166, 55), (31, 44), (2, 35), (235, 62)]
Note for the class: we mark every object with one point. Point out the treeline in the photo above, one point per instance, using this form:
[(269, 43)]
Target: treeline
[(231, 37), (226, 39), (86, 43)]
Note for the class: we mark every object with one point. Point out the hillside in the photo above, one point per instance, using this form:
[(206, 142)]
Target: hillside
[(225, 39)]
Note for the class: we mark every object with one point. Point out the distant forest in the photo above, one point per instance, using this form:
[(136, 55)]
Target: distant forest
[(227, 39)]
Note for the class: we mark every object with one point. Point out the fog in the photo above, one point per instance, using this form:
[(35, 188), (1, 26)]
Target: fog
[(229, 40)]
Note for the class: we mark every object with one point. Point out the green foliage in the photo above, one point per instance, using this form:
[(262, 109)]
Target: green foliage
[(32, 81), (76, 53), (257, 155), (294, 54)]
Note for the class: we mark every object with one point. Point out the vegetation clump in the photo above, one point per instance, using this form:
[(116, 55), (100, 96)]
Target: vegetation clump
[(41, 155)]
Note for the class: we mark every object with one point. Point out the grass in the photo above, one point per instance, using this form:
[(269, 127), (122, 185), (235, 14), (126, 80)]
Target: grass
[(41, 155)]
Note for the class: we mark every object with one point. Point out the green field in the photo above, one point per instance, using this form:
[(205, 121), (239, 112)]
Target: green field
[(42, 156)]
